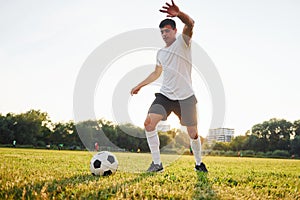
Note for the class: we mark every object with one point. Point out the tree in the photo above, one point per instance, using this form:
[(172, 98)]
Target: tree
[(90, 132), (275, 133), (222, 146), (295, 145), (64, 133), (6, 128), (296, 127), (253, 142), (29, 127), (238, 143)]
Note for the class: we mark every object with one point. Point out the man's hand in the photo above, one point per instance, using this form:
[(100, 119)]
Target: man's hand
[(171, 10), (152, 77), (135, 90)]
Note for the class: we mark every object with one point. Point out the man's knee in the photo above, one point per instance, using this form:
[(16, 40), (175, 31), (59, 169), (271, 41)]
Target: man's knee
[(193, 132), (149, 126)]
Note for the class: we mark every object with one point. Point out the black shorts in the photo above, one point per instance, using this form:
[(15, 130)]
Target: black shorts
[(186, 109)]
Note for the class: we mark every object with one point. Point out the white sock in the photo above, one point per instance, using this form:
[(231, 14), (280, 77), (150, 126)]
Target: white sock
[(196, 147), (153, 143)]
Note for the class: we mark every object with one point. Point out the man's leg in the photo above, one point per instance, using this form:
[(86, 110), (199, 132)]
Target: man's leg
[(188, 117), (195, 143), (159, 110), (152, 135), (196, 148)]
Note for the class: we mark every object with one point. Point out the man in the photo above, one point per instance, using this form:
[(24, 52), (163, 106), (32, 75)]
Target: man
[(176, 94)]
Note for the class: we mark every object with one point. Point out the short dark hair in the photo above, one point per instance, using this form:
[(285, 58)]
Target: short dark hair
[(166, 22)]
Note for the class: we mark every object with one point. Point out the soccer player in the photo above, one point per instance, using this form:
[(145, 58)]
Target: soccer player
[(176, 93)]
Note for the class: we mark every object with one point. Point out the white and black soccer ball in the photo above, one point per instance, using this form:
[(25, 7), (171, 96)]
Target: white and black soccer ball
[(103, 163)]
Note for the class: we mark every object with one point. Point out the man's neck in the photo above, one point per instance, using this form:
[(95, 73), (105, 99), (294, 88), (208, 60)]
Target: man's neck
[(167, 45)]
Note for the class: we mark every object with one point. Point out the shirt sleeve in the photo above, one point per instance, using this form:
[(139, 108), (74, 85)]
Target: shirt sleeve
[(182, 42), (158, 62)]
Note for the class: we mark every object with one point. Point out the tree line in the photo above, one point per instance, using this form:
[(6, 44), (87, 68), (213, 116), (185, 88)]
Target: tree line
[(35, 129), (275, 135)]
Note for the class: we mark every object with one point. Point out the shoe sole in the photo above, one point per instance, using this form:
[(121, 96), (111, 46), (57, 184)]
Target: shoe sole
[(196, 170), (160, 171)]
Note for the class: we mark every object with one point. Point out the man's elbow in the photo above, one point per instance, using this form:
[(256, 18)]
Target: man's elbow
[(192, 23), (157, 74)]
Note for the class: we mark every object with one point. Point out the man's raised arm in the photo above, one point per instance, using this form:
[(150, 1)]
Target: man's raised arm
[(174, 11)]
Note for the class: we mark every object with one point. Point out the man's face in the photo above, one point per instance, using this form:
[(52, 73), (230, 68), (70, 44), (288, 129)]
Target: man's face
[(168, 34)]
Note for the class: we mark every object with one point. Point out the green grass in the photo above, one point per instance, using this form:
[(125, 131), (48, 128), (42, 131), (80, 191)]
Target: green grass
[(47, 174)]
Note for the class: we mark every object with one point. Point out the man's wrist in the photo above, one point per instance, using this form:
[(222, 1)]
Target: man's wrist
[(179, 14), (185, 18)]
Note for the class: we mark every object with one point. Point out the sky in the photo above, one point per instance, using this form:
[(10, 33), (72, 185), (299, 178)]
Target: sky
[(254, 44)]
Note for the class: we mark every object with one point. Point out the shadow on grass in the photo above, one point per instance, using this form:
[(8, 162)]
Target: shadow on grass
[(71, 188), (121, 187), (203, 188), (86, 186)]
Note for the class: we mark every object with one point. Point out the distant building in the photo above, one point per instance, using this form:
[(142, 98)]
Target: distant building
[(220, 135)]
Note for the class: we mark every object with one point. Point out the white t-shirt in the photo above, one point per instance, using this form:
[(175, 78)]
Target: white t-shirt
[(176, 61)]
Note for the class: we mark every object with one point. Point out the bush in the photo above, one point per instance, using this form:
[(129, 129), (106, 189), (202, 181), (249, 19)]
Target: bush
[(230, 153), (249, 153), (280, 154), (40, 143), (217, 153), (260, 154), (269, 154)]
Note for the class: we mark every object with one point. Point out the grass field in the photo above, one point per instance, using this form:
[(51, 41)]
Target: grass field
[(47, 174)]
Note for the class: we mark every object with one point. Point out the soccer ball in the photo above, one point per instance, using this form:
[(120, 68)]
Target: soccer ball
[(103, 163)]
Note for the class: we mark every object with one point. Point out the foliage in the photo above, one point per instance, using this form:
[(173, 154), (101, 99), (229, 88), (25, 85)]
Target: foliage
[(295, 145), (274, 136), (296, 127), (275, 133), (26, 128), (280, 154), (34, 128), (238, 143), (221, 146)]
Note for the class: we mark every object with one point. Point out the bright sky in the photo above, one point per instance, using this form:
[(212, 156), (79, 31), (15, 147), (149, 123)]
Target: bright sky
[(254, 44)]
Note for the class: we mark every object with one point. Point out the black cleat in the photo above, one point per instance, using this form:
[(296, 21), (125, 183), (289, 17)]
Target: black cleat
[(201, 168), (155, 168)]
